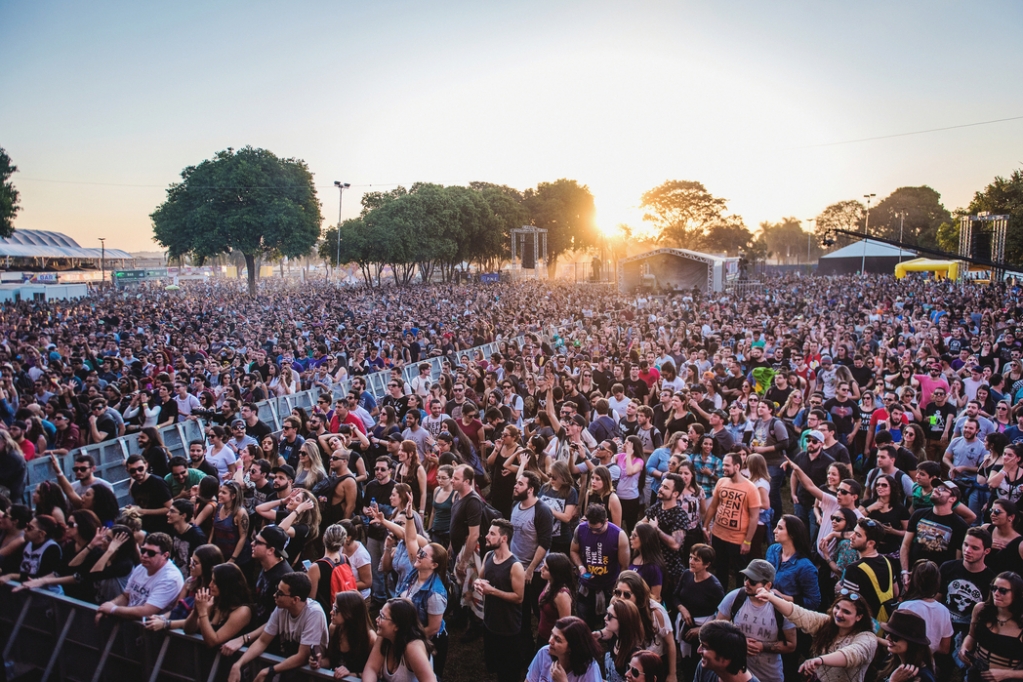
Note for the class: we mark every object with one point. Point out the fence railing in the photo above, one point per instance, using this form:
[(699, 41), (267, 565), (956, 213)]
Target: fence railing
[(57, 637), (110, 455)]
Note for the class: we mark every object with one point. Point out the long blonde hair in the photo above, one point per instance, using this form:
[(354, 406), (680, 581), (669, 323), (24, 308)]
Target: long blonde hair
[(316, 471), (757, 466)]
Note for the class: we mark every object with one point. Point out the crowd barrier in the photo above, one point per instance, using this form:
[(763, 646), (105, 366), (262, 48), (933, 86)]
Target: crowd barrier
[(111, 455), (57, 637)]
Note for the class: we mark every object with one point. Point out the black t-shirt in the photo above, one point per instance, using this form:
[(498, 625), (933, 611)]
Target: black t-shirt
[(637, 390), (465, 513), (152, 493), (266, 584), (381, 494), (108, 426), (816, 469), (962, 590), (892, 518), (935, 417), (184, 545), (844, 414), (838, 452), (701, 599), (862, 375), (905, 460), (258, 432), (936, 537), (857, 580), (156, 457), (206, 467)]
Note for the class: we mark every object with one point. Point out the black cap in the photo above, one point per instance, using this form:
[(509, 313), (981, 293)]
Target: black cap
[(274, 537), (395, 438), (287, 469)]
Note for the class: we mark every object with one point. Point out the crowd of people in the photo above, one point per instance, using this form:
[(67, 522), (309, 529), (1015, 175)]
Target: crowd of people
[(820, 478)]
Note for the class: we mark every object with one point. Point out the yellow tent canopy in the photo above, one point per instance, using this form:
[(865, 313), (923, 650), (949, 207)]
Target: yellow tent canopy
[(940, 268)]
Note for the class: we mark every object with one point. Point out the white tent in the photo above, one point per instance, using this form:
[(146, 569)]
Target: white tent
[(874, 257)]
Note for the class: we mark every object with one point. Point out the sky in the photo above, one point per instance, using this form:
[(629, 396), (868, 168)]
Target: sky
[(767, 104)]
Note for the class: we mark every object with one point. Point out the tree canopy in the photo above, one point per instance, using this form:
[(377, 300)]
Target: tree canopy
[(8, 195), (787, 241), (1004, 196), (567, 211), (249, 201), (845, 215), (921, 209), (682, 211)]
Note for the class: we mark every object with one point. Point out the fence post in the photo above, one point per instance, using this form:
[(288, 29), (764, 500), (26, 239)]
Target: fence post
[(58, 646)]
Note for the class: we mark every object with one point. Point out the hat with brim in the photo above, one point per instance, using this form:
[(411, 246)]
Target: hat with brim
[(908, 626)]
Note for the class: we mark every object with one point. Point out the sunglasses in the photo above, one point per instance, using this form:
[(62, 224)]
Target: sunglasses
[(278, 593), (838, 519), (136, 470), (636, 672), (79, 469), (1001, 590), (849, 594), (149, 552), (623, 594)]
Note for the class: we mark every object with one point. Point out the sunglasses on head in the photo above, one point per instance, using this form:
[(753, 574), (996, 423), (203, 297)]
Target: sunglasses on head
[(849, 594)]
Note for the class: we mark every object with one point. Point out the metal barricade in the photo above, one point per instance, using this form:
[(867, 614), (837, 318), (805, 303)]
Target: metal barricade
[(58, 637)]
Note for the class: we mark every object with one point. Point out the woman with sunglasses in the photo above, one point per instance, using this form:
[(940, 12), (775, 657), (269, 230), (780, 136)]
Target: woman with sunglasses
[(836, 546), (909, 647), (426, 587), (645, 666), (623, 636), (352, 637), (1006, 541), (843, 643), (657, 633), (402, 650), (993, 646), (81, 528), (570, 655), (693, 501), (888, 507)]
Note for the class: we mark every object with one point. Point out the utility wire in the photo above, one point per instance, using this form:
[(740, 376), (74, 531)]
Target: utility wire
[(915, 132)]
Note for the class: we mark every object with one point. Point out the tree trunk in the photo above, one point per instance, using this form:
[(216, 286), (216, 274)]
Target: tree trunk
[(250, 267)]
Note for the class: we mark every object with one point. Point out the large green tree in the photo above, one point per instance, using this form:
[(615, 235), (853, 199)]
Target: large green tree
[(8, 195), (247, 200), (682, 211), (915, 213), (566, 210), (786, 240), (1005, 196), (728, 235)]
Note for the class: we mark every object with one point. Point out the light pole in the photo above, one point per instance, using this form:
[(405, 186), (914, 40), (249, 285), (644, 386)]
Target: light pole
[(809, 236), (902, 222), (103, 260), (341, 186), (866, 224)]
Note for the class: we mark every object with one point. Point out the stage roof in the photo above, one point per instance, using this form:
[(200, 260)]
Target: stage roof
[(874, 250), (45, 244)]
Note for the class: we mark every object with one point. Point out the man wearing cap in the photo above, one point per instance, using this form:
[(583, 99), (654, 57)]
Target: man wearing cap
[(814, 462), (935, 534), (771, 439), (768, 633), (239, 440), (873, 577)]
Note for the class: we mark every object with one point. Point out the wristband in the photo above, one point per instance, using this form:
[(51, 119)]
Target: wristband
[(270, 672), (746, 542)]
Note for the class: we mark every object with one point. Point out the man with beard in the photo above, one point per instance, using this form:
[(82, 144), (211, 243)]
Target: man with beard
[(768, 633), (966, 582), (197, 459), (669, 519), (533, 523), (874, 575), (503, 588)]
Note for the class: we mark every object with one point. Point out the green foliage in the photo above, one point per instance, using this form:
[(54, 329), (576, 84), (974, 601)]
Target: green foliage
[(566, 210), (249, 201), (682, 211), (8, 195), (923, 212), (845, 215), (948, 237), (1004, 196), (729, 235), (786, 240)]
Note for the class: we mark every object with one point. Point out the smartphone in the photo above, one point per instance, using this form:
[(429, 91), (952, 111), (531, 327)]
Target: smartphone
[(307, 565)]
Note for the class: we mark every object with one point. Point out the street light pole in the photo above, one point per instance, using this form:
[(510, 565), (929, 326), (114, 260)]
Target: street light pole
[(103, 260), (866, 224), (341, 186), (902, 221)]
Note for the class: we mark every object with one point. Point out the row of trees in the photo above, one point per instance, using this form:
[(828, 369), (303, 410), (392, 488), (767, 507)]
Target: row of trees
[(430, 228)]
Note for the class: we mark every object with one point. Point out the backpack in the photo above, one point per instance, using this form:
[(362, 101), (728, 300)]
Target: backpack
[(886, 598), (342, 579), (740, 599), (791, 444)]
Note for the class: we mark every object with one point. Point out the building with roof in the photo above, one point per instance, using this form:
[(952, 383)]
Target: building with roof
[(40, 248), (874, 257)]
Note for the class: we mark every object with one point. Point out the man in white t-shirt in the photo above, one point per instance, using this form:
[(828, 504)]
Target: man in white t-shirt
[(297, 624), (187, 403), (848, 497), (153, 586)]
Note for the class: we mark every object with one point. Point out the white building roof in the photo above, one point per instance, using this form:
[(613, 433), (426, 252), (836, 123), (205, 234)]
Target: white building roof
[(46, 244), (874, 250)]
